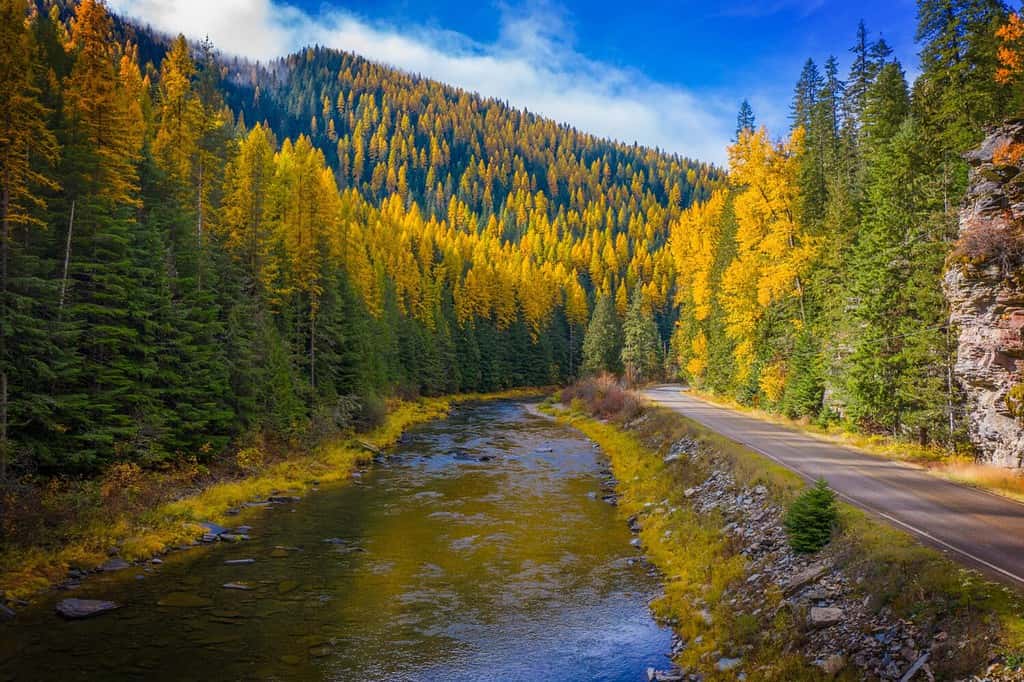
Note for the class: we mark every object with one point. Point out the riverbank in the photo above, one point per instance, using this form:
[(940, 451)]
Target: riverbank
[(959, 467), (874, 604), (133, 515)]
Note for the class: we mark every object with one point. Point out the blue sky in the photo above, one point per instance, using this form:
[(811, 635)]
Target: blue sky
[(667, 74)]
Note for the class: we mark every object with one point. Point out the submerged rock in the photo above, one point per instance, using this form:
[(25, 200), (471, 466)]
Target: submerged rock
[(286, 586), (75, 609), (184, 600), (237, 586), (239, 562), (6, 613)]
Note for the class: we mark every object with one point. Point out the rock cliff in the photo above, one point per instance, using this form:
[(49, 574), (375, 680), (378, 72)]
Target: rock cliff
[(984, 285)]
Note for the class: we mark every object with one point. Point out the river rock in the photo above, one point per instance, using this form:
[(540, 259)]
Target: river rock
[(75, 609), (239, 562), (237, 586), (726, 664), (6, 613), (672, 675), (115, 564), (233, 537), (212, 528), (282, 499), (824, 616), (278, 553)]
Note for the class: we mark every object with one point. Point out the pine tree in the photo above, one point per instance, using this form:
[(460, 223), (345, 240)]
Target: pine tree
[(27, 149), (602, 344), (745, 120), (641, 346), (957, 92), (812, 518)]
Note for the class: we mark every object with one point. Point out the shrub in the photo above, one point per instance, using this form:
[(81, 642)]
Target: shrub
[(991, 243), (250, 459), (812, 518), (1015, 401), (603, 396)]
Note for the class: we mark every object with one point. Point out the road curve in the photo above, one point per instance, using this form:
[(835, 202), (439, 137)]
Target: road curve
[(977, 528)]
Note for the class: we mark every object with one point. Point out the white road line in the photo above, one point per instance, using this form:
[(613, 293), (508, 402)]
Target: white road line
[(884, 515)]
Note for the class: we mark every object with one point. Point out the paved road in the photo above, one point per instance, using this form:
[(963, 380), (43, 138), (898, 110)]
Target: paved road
[(977, 528)]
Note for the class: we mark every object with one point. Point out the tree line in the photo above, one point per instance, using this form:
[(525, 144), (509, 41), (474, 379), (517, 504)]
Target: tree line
[(811, 283), (190, 257)]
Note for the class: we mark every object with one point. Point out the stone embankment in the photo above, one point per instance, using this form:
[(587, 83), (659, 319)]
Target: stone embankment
[(840, 629)]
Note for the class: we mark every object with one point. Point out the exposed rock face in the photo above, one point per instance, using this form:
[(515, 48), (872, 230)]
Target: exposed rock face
[(985, 288)]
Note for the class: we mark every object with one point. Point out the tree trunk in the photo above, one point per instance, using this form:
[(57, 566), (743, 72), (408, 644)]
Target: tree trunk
[(67, 257)]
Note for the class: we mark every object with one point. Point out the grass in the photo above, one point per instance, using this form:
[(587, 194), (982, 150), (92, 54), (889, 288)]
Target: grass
[(702, 571), (935, 459), (117, 512)]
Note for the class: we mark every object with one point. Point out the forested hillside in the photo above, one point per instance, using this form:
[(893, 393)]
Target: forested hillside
[(812, 284), (196, 250)]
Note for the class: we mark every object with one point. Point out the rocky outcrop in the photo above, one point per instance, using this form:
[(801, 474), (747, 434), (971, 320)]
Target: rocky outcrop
[(984, 285)]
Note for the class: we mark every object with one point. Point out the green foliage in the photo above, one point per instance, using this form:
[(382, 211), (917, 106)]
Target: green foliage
[(602, 345), (1015, 401), (812, 518), (641, 348)]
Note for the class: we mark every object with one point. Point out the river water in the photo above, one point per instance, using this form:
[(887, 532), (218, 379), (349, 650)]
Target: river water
[(434, 566)]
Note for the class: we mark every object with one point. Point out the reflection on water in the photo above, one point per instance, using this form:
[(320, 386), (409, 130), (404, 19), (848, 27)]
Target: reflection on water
[(438, 566)]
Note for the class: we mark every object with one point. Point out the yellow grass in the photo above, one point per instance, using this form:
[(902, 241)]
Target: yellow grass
[(915, 581), (695, 558), (26, 571)]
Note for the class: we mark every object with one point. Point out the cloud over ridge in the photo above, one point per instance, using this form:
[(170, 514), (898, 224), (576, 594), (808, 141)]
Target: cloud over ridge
[(531, 65)]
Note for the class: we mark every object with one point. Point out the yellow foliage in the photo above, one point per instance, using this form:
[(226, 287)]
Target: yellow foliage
[(693, 241), (773, 251), (698, 361), (773, 381)]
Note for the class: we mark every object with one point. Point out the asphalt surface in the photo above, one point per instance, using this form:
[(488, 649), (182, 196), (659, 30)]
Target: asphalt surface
[(976, 528)]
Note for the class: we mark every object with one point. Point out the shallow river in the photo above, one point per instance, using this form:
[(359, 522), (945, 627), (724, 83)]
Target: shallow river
[(434, 566)]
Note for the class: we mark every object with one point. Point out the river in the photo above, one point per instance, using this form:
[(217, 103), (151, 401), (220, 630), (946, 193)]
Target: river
[(481, 550)]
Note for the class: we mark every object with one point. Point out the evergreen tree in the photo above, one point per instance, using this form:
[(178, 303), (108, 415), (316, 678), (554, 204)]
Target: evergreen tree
[(602, 344), (745, 120), (27, 150), (641, 346), (957, 92)]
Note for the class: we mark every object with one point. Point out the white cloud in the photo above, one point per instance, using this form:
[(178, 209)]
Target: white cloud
[(532, 64)]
